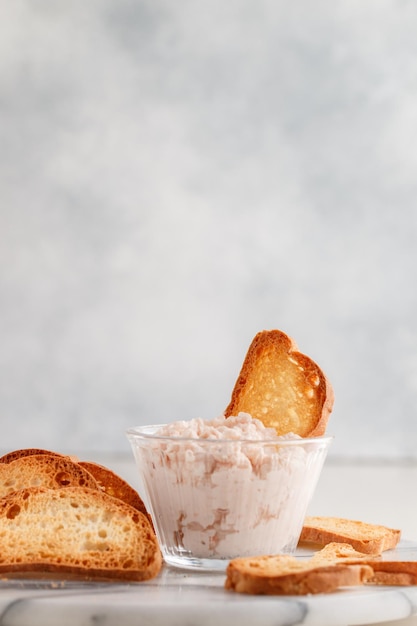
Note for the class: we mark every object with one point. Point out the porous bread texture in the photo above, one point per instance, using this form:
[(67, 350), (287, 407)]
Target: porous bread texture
[(75, 532), (282, 387), (100, 476), (287, 575), (336, 551), (364, 537), (43, 470)]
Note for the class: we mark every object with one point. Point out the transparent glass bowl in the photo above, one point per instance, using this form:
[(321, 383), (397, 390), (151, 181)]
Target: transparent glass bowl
[(212, 500)]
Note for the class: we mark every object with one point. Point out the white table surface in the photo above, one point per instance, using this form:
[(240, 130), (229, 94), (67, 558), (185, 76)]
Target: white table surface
[(378, 493), (178, 598)]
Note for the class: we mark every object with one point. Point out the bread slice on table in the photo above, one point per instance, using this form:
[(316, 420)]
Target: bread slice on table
[(367, 538), (287, 575), (75, 532), (390, 567), (402, 573), (282, 387), (51, 471)]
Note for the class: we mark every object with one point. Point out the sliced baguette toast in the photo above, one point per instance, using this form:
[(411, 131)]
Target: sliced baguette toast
[(282, 387), (402, 573), (367, 538), (75, 532), (389, 567), (287, 575), (104, 478), (43, 470), (320, 573)]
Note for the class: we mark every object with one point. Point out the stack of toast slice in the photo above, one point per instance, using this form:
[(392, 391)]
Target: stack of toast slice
[(66, 518), (347, 552), (377, 544)]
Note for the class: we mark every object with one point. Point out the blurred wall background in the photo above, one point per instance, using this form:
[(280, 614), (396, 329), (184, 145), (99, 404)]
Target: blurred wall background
[(174, 177)]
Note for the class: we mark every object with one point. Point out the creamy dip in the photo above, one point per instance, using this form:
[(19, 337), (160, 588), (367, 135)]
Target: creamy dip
[(227, 487), (244, 426)]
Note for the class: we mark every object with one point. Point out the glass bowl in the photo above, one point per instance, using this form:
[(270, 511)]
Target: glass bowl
[(212, 500)]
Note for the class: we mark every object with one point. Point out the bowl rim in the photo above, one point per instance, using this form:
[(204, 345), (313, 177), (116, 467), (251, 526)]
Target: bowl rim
[(150, 432)]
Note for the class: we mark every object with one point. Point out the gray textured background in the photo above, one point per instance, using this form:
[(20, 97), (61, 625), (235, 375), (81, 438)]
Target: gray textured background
[(174, 177)]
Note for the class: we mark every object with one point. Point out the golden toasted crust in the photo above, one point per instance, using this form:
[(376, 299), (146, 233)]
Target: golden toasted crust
[(403, 574), (366, 538), (43, 470), (282, 387), (388, 566), (285, 575), (76, 533), (114, 485), (99, 475), (17, 454)]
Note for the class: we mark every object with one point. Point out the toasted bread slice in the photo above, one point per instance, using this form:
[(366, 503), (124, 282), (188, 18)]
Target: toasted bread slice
[(75, 533), (389, 567), (282, 387), (367, 538), (402, 573), (114, 485), (43, 470), (105, 478), (287, 575)]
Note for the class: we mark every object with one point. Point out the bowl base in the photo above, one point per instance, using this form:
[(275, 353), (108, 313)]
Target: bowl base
[(196, 564)]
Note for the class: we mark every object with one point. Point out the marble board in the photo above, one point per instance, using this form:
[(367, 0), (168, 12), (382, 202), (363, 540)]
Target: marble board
[(183, 598)]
